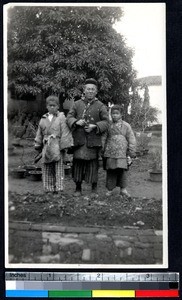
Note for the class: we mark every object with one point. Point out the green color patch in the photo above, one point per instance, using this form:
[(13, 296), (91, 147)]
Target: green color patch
[(70, 294)]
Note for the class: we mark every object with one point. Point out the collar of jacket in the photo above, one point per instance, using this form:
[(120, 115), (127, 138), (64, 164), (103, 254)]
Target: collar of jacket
[(119, 122), (47, 114), (91, 102)]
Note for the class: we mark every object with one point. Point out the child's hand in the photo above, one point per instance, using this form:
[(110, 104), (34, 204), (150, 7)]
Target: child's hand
[(129, 161)]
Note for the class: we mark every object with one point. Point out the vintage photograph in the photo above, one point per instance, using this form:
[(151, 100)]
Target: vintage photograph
[(85, 135)]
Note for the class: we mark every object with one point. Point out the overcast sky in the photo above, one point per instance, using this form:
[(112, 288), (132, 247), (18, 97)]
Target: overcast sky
[(143, 25)]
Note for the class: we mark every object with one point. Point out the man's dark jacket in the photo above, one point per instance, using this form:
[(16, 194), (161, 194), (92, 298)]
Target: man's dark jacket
[(96, 114)]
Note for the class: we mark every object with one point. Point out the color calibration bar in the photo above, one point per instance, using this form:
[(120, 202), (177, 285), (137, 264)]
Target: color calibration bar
[(93, 294), (91, 285)]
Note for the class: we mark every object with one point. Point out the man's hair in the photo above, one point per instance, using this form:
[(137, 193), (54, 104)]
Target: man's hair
[(52, 98), (117, 107)]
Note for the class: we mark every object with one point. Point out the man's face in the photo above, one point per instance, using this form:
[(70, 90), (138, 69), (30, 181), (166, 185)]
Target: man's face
[(90, 91), (52, 107)]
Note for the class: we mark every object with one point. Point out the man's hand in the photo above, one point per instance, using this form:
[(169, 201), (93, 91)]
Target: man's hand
[(81, 122), (90, 127)]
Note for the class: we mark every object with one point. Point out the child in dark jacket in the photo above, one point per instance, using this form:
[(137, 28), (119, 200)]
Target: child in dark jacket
[(119, 144)]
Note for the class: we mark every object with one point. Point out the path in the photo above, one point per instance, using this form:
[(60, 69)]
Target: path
[(47, 243)]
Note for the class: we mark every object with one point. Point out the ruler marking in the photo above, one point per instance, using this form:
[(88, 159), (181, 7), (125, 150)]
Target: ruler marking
[(95, 277)]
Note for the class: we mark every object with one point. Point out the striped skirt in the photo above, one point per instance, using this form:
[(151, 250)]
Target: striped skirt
[(85, 170), (53, 176)]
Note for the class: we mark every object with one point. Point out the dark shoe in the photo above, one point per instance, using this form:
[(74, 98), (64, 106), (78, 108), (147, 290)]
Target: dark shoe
[(94, 187)]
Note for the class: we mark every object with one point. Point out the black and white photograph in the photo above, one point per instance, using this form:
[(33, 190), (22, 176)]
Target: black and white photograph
[(85, 135)]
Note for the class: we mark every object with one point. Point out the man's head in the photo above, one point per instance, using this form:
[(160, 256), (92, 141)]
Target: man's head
[(52, 104), (90, 88)]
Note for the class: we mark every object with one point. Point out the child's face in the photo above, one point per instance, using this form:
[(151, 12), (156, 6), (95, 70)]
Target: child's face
[(52, 107), (115, 115)]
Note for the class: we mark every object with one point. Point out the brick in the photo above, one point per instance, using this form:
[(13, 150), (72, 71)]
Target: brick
[(74, 248), (143, 245), (121, 253), (131, 227), (28, 234), (52, 237), (49, 258), (55, 248), (150, 239), (37, 227), (70, 235), (82, 229), (146, 232), (159, 232), (124, 238), (129, 251), (27, 260), (158, 262), (86, 236), (20, 225), (143, 239), (157, 239), (86, 255), (142, 254), (158, 254), (11, 258), (121, 244), (46, 249), (66, 241), (124, 232), (103, 237), (53, 228), (157, 246)]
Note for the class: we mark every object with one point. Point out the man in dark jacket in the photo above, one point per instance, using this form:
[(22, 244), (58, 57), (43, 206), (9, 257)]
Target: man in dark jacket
[(88, 119)]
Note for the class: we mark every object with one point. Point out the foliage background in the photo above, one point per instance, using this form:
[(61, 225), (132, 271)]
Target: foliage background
[(54, 49)]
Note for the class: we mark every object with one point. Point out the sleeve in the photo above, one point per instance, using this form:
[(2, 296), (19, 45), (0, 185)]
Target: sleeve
[(66, 140), (104, 137), (131, 141), (39, 138), (71, 117), (102, 125)]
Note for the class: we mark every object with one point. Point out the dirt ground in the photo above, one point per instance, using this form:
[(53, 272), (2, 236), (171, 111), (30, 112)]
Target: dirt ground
[(27, 201), (139, 184)]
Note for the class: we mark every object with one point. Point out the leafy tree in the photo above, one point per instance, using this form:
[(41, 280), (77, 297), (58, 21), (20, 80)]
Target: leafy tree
[(146, 101), (54, 49)]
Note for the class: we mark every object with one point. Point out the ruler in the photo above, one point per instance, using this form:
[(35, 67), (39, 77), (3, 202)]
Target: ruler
[(93, 277), (90, 285)]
